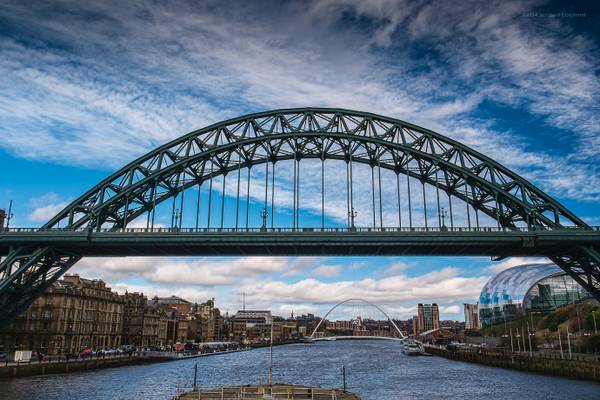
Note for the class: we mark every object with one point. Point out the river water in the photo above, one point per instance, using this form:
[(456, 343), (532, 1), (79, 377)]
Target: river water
[(376, 370)]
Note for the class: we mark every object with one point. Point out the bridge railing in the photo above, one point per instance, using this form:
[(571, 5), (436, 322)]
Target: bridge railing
[(177, 230)]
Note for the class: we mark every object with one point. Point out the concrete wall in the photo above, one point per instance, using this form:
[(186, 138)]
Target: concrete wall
[(574, 369), (35, 368)]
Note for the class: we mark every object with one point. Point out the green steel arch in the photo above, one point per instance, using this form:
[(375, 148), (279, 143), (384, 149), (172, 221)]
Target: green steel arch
[(294, 134)]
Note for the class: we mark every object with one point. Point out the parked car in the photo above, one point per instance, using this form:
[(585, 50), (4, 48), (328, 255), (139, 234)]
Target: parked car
[(3, 356), (86, 352)]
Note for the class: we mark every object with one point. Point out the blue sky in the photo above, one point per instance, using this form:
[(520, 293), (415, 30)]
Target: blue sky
[(88, 87)]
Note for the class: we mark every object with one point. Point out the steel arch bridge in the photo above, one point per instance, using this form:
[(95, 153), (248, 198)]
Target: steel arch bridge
[(118, 216), (312, 335)]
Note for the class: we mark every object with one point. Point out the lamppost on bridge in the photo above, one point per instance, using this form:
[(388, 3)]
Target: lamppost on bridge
[(264, 214), (8, 216), (444, 214), (176, 217), (352, 213)]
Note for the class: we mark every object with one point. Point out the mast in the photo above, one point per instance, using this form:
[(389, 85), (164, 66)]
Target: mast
[(271, 359)]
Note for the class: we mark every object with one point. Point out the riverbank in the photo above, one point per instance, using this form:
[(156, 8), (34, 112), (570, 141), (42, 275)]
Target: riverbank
[(573, 369), (15, 370)]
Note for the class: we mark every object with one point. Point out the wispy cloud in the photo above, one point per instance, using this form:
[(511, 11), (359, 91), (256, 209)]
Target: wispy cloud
[(201, 272), (45, 207), (441, 286), (100, 93)]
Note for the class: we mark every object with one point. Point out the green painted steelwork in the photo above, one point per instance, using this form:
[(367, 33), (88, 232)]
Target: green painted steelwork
[(294, 134)]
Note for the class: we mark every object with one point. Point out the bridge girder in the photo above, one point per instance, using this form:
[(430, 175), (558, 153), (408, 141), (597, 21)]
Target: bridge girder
[(294, 134)]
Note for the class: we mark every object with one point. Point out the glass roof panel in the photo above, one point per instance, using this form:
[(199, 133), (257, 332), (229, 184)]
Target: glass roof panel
[(511, 285)]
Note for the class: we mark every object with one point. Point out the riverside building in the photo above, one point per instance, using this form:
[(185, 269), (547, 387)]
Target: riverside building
[(72, 314), (527, 288), (144, 325)]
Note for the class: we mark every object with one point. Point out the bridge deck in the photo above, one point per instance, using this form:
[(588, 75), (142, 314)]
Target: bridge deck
[(308, 241)]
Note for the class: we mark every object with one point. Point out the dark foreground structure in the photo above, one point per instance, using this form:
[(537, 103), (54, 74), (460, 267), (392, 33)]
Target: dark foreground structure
[(277, 391)]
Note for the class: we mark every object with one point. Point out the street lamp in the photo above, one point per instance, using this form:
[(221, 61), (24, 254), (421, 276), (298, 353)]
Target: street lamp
[(8, 216), (264, 214), (352, 215), (444, 214), (594, 317), (175, 224)]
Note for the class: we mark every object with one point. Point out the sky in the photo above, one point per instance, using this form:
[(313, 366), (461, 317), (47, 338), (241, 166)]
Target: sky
[(87, 87)]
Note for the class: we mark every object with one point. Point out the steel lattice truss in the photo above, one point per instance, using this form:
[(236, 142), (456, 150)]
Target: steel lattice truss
[(295, 134)]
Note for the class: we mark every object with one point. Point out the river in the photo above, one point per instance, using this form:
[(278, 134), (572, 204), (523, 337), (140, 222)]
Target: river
[(376, 370)]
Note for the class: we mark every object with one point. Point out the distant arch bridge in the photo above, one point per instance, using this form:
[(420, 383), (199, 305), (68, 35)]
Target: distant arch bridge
[(404, 189), (312, 335)]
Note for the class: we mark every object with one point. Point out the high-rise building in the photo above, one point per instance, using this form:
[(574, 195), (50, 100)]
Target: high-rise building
[(471, 317), (428, 317)]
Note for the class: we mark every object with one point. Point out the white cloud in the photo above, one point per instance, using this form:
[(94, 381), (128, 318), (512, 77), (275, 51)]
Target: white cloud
[(45, 207), (328, 270), (438, 286), (451, 309), (396, 269), (201, 272), (45, 213), (500, 266)]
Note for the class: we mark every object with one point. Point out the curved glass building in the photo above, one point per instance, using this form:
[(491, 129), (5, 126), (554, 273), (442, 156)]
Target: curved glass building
[(525, 288)]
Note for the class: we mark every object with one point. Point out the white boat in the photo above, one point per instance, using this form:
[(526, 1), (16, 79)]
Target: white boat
[(412, 347)]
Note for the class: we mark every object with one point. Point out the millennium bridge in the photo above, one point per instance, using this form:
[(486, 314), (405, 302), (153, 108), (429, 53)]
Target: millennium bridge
[(309, 181), (368, 303)]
